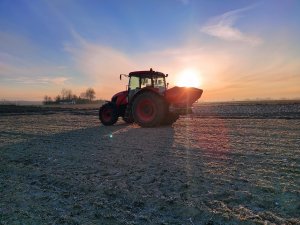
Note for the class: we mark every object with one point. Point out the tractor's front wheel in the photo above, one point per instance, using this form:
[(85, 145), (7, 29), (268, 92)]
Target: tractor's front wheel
[(149, 109), (108, 114)]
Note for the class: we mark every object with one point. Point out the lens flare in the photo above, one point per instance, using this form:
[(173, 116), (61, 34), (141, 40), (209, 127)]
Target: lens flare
[(189, 78)]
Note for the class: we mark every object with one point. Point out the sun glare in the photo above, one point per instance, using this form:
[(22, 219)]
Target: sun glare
[(189, 78)]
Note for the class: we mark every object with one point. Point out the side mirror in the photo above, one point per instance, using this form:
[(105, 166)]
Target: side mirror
[(123, 75)]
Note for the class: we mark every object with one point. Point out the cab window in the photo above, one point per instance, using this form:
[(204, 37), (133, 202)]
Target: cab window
[(158, 82), (134, 83), (145, 82)]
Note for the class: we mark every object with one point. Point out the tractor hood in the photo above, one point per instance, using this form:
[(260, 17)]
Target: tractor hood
[(120, 98), (183, 96), (121, 93)]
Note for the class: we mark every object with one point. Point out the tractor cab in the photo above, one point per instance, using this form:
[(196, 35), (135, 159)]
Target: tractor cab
[(146, 79)]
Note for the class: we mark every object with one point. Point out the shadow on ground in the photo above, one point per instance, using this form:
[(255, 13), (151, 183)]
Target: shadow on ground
[(129, 175)]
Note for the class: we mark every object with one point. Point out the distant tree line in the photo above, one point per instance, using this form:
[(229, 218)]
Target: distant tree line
[(66, 96)]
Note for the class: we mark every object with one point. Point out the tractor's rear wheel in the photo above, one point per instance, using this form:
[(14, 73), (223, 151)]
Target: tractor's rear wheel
[(149, 109), (108, 114)]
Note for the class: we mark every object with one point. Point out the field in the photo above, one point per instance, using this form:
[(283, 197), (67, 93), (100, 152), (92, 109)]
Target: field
[(228, 164)]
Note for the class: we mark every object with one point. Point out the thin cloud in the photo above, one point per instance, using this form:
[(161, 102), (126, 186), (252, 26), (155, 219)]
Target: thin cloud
[(17, 69), (223, 27), (98, 61), (100, 64), (20, 63), (226, 70), (59, 80), (40, 80), (20, 71)]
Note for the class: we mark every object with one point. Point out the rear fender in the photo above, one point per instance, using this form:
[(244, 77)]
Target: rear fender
[(183, 96)]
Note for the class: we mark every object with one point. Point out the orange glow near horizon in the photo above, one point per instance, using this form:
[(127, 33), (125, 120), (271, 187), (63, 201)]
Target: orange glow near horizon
[(189, 78)]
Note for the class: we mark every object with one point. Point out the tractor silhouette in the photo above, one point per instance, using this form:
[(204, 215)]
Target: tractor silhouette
[(148, 101)]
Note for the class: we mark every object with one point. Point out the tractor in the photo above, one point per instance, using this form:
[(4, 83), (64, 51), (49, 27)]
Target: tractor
[(148, 102)]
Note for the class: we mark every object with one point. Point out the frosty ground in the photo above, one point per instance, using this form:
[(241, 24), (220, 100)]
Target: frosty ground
[(66, 168)]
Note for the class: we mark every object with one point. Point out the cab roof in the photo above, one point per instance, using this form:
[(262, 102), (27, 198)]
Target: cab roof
[(146, 73)]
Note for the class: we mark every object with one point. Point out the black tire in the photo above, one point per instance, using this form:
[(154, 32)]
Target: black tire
[(108, 114), (170, 118), (148, 109), (127, 115)]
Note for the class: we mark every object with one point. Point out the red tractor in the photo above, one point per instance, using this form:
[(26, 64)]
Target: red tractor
[(148, 102)]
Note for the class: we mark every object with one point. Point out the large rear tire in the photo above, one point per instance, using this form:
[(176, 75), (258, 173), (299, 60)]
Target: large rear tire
[(108, 114), (148, 109)]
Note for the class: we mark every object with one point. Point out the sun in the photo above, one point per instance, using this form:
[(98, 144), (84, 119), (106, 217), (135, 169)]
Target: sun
[(189, 78)]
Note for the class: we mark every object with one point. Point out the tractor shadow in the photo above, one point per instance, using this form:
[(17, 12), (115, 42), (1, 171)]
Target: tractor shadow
[(117, 174)]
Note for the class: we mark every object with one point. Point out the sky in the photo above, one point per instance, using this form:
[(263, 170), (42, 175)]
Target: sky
[(239, 50)]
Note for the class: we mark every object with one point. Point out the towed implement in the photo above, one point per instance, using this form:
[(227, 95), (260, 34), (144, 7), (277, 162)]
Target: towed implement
[(148, 102)]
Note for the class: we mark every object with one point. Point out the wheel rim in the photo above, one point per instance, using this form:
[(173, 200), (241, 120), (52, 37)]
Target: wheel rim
[(107, 114), (146, 110)]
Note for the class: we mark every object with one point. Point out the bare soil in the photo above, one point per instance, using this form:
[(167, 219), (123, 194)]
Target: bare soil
[(66, 168)]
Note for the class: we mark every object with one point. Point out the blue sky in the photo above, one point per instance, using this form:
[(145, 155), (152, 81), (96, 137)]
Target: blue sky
[(240, 49)]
